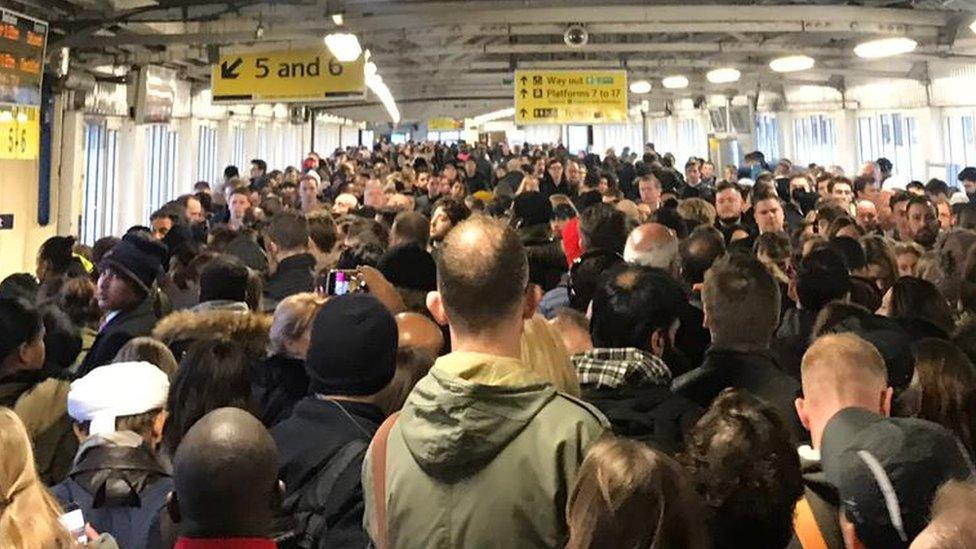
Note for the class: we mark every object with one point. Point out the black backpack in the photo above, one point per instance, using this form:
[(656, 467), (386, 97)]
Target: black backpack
[(306, 508)]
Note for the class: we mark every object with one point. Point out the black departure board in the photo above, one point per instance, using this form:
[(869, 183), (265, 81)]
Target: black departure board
[(22, 43)]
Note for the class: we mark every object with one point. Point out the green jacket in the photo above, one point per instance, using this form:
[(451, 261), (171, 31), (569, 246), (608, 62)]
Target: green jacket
[(484, 454)]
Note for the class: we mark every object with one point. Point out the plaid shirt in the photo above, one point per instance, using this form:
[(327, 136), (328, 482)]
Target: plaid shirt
[(613, 368)]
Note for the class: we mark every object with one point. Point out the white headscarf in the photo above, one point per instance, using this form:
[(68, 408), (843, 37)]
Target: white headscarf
[(116, 390)]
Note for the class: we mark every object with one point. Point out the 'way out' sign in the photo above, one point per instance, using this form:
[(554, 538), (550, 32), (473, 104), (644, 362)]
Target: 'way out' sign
[(307, 75)]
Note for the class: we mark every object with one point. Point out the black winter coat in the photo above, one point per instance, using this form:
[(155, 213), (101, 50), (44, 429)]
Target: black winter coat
[(136, 322), (316, 431), (755, 371), (295, 275), (649, 413)]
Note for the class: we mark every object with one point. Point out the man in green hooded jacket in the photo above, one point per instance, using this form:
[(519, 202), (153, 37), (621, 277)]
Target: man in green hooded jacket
[(484, 451)]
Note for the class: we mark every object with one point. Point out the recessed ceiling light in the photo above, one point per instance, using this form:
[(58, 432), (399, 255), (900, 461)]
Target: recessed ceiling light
[(792, 63), (885, 47), (640, 87), (674, 82), (723, 76)]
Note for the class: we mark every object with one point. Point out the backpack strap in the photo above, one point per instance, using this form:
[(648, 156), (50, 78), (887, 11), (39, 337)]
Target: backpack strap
[(378, 465), (315, 526), (806, 528)]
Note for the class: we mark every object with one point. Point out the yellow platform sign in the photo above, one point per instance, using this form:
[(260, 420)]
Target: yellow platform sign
[(444, 124), (20, 133), (570, 97), (306, 75)]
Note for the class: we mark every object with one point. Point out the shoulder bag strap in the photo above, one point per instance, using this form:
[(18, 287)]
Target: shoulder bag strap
[(378, 464)]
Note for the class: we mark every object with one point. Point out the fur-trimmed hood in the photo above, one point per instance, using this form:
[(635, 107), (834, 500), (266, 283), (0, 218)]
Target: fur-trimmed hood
[(250, 329)]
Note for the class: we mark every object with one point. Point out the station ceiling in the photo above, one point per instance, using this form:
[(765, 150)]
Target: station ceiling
[(460, 55)]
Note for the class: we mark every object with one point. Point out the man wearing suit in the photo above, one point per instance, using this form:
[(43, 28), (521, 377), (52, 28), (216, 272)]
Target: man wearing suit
[(124, 295)]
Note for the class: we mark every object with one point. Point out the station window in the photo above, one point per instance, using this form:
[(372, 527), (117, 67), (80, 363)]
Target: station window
[(617, 137), (767, 136), (101, 169), (207, 169), (448, 138), (960, 143), (366, 138), (892, 136), (162, 145), (577, 139), (238, 157), (691, 141), (399, 138), (815, 139), (262, 138), (660, 136)]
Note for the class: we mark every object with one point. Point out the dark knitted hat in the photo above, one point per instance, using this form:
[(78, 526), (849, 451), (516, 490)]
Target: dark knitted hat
[(138, 257), (353, 347)]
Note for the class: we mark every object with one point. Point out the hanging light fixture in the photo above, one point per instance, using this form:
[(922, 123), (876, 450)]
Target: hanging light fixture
[(344, 46), (723, 75), (640, 87), (675, 82), (885, 47), (792, 63)]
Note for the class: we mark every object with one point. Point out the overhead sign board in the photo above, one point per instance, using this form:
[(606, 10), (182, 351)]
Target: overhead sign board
[(22, 43), (570, 97), (307, 76), (20, 133), (444, 124)]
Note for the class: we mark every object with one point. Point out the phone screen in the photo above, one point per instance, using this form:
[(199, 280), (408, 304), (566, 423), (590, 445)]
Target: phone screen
[(74, 523)]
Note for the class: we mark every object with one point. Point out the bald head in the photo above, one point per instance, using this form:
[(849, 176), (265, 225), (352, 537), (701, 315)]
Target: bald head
[(419, 332), (841, 371), (482, 273), (652, 245), (225, 473)]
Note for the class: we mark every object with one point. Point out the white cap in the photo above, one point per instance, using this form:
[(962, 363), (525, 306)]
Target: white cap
[(116, 390), (746, 182)]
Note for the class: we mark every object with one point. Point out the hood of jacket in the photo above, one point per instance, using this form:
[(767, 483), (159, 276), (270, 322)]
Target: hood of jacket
[(247, 328), (467, 410)]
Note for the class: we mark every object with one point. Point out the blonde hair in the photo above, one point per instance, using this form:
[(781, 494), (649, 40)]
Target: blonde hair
[(28, 512), (292, 317), (147, 349)]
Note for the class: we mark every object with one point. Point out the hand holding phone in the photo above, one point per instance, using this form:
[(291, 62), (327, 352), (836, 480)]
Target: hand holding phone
[(74, 523)]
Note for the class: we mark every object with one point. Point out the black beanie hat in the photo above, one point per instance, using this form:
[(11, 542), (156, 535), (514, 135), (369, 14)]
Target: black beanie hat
[(138, 257), (409, 266), (353, 347), (223, 278), (532, 208)]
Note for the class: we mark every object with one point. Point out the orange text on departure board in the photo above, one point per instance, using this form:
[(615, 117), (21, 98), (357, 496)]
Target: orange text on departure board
[(32, 66), (35, 39), (10, 32)]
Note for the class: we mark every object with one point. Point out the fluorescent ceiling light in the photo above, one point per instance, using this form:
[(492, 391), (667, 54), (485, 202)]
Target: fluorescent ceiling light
[(723, 76), (337, 19), (885, 47), (792, 63), (344, 46), (674, 82), (972, 26), (640, 87), (370, 69)]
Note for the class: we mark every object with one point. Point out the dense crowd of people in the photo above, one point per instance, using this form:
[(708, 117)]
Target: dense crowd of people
[(432, 345)]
